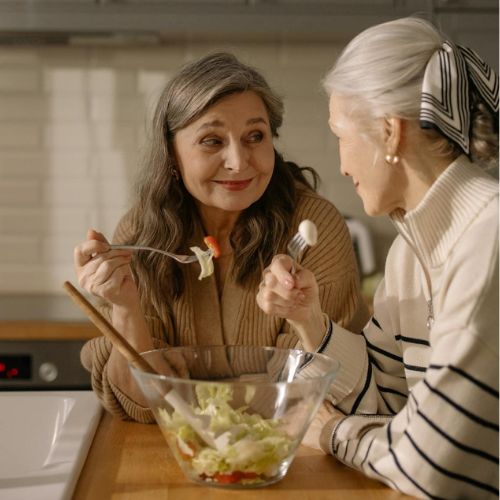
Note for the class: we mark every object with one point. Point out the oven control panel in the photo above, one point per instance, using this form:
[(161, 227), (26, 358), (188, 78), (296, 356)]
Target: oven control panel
[(28, 365), (15, 367)]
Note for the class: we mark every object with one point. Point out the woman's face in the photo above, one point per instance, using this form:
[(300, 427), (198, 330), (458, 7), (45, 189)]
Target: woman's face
[(226, 156), (379, 184)]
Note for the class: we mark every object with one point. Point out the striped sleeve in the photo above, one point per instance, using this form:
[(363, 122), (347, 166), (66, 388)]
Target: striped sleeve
[(372, 378)]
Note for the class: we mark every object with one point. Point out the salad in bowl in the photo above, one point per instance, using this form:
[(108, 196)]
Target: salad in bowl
[(234, 416)]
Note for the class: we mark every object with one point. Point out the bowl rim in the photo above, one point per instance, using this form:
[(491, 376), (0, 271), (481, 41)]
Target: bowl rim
[(332, 373)]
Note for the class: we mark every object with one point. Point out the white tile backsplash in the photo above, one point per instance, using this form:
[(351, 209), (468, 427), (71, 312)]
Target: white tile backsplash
[(19, 135), (152, 82), (19, 164), (19, 193), (19, 249), (111, 82), (14, 106), (65, 163), (17, 79)]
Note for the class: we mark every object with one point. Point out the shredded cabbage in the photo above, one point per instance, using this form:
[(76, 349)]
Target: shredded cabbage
[(245, 443), (205, 259)]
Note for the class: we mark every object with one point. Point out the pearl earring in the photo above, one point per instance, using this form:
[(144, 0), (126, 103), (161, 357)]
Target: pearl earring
[(174, 173), (392, 159)]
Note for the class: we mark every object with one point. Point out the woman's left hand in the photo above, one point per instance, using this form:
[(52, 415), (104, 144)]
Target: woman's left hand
[(294, 297)]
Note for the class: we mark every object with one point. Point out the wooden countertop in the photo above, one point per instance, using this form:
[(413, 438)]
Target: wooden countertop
[(47, 330), (131, 461)]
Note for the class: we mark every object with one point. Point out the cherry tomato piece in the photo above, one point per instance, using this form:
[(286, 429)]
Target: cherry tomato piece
[(233, 477), (211, 243)]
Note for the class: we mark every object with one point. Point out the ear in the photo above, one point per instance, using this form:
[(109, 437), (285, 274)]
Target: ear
[(393, 128)]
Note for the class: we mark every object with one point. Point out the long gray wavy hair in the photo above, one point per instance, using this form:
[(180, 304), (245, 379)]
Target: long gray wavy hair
[(164, 214), (383, 68)]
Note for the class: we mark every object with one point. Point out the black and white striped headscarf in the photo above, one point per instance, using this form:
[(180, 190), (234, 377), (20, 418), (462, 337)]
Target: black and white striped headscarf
[(445, 91)]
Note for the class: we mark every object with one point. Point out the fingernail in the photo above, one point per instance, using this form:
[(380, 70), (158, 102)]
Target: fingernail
[(289, 283)]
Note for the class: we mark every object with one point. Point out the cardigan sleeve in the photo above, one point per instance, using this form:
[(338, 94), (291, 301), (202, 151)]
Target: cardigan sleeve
[(441, 439), (95, 356)]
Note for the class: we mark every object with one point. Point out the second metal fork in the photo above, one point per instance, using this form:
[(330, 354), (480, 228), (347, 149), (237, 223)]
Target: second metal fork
[(295, 248)]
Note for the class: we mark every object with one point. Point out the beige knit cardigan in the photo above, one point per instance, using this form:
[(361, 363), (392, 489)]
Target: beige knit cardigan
[(201, 317)]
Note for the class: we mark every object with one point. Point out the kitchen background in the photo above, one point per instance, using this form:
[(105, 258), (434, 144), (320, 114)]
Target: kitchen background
[(78, 82)]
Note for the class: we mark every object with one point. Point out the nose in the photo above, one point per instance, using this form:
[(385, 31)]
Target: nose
[(236, 158), (343, 171)]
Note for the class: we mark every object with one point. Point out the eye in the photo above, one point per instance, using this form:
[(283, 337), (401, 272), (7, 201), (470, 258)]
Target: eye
[(211, 141), (255, 137)]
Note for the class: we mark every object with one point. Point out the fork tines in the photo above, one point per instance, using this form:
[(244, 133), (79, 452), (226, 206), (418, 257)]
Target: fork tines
[(296, 246)]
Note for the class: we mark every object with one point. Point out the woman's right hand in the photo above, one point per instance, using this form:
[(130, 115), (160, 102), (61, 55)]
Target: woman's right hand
[(104, 272)]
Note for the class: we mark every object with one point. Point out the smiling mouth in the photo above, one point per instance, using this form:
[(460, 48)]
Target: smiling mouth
[(234, 185)]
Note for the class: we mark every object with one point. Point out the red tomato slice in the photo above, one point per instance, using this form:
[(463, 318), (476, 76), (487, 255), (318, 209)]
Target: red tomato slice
[(233, 477), (211, 243)]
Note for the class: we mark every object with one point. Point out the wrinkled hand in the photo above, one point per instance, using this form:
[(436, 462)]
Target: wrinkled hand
[(325, 413), (294, 297), (104, 272)]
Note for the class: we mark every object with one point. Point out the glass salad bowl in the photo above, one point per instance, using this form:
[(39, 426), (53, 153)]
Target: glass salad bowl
[(234, 416)]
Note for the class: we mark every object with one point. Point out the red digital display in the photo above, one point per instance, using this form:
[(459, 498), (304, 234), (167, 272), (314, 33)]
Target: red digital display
[(15, 367)]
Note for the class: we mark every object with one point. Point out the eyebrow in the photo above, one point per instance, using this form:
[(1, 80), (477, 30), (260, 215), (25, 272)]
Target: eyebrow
[(218, 123)]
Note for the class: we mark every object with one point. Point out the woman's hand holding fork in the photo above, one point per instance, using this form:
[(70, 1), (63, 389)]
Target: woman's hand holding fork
[(295, 297), (104, 272)]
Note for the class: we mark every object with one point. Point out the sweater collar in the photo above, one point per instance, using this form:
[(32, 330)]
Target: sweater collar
[(448, 207)]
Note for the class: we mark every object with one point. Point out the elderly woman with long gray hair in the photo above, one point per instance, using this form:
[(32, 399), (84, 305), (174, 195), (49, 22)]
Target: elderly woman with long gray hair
[(415, 404), (212, 170)]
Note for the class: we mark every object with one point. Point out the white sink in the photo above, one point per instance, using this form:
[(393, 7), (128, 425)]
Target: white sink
[(44, 440)]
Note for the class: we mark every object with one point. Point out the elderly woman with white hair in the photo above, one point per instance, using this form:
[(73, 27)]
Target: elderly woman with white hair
[(415, 404)]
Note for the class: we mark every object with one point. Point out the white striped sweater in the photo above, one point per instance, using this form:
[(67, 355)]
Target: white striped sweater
[(423, 405)]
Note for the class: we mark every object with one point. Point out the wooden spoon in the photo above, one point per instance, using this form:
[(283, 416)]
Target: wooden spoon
[(199, 423)]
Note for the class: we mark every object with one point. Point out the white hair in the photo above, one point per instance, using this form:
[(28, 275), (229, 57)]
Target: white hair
[(384, 67)]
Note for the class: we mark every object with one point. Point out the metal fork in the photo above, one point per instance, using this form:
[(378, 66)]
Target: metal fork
[(295, 248), (183, 259)]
